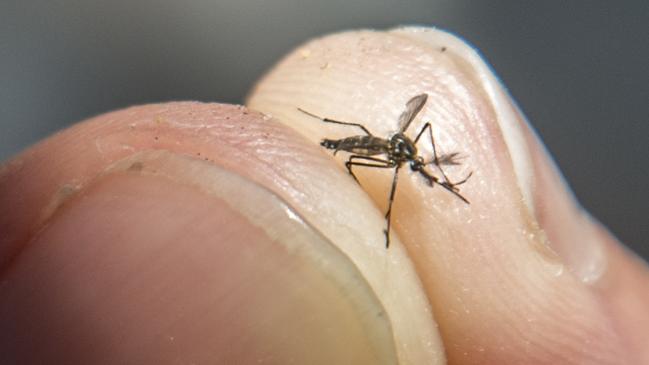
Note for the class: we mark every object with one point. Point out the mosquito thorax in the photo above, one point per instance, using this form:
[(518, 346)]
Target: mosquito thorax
[(402, 148)]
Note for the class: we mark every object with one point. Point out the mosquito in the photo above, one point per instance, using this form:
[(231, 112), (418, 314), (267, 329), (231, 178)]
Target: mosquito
[(394, 152)]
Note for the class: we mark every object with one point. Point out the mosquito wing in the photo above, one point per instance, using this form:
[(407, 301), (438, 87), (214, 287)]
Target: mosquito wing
[(413, 106)]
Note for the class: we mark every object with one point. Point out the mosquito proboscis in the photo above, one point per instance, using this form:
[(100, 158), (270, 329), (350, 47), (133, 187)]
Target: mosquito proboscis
[(394, 152)]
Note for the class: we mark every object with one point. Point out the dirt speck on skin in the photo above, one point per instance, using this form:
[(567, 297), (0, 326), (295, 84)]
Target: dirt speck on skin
[(136, 167), (59, 198), (305, 53)]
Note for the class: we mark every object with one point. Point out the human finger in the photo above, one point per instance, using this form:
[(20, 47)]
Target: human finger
[(190, 232), (513, 277)]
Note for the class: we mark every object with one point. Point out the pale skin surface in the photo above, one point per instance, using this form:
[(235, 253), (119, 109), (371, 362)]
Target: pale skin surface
[(508, 278)]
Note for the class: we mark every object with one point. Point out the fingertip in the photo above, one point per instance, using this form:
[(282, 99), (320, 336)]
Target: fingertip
[(489, 268)]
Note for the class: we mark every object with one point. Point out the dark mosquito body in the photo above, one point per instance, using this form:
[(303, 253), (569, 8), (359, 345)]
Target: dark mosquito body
[(370, 151)]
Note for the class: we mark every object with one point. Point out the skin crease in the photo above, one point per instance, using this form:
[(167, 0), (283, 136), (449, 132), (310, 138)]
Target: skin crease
[(498, 296)]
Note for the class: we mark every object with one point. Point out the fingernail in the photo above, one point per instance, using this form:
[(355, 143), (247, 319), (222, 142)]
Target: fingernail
[(571, 232), (565, 227), (168, 257)]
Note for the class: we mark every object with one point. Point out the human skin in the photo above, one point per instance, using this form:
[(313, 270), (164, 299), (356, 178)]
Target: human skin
[(190, 232)]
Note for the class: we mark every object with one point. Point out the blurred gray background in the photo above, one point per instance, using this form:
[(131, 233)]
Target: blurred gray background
[(579, 70)]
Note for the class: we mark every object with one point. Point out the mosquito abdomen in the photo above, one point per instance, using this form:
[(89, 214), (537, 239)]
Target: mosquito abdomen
[(331, 144)]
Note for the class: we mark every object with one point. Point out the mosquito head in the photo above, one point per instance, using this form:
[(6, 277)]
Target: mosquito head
[(417, 163), (402, 148)]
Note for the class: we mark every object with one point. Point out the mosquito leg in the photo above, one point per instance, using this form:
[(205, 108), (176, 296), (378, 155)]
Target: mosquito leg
[(432, 140), (379, 163), (445, 184), (388, 214), (446, 159), (463, 180), (429, 127), (327, 120), (372, 162), (421, 131), (349, 165)]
